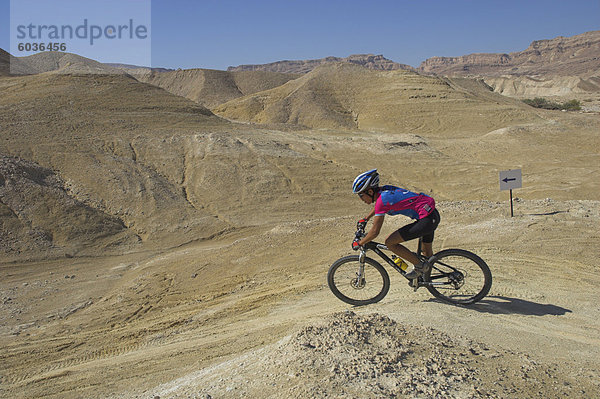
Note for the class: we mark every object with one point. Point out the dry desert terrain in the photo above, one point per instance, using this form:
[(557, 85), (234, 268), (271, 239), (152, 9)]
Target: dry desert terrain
[(157, 246)]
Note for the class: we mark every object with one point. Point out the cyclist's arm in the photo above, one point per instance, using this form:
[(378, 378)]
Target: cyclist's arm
[(374, 231), (371, 214)]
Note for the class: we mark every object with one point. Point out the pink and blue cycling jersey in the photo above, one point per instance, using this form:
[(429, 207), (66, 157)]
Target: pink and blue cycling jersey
[(397, 201)]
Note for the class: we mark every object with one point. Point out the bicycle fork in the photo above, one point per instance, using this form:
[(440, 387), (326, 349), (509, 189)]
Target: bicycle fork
[(360, 275)]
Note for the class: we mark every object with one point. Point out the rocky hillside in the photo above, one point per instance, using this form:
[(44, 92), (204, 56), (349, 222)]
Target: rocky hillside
[(562, 68), (561, 56), (38, 214), (370, 61), (566, 87)]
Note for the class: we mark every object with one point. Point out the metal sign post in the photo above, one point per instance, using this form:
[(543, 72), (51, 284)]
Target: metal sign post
[(509, 180)]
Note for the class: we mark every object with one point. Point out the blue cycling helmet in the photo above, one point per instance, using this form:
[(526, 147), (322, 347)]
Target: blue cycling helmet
[(365, 181)]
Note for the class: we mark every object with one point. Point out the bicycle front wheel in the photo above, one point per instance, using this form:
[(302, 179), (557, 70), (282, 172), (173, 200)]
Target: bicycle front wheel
[(458, 276), (346, 284)]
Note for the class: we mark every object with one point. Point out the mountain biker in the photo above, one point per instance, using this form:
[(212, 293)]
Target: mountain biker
[(393, 200)]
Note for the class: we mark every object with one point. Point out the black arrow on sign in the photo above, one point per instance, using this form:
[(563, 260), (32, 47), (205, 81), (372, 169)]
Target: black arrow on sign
[(506, 179)]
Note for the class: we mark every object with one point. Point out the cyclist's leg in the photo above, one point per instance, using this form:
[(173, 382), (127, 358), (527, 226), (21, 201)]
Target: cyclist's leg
[(424, 227), (427, 239), (393, 244), (427, 249)]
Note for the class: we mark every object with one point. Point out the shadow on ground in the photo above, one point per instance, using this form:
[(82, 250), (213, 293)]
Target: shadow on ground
[(506, 305)]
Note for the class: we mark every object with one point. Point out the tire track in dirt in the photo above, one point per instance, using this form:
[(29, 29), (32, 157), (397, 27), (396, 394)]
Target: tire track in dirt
[(234, 303)]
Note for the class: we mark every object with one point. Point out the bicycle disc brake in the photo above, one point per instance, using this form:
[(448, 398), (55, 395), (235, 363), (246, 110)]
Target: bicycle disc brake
[(358, 282)]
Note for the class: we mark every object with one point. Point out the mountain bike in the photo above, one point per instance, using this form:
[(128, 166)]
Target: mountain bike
[(453, 275)]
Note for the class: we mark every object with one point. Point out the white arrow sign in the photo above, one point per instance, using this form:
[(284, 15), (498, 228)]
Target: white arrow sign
[(510, 179)]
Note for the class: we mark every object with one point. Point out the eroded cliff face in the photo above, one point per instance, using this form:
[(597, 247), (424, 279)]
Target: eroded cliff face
[(463, 64), (561, 56)]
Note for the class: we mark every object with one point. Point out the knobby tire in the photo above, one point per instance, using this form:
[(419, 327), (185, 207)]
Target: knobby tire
[(477, 279), (341, 279)]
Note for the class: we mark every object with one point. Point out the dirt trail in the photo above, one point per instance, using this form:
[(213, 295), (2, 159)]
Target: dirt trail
[(232, 317)]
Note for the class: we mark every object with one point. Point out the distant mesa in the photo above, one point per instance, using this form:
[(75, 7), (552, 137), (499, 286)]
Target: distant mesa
[(370, 61)]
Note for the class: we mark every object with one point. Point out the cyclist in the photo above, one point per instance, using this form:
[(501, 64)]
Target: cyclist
[(393, 200)]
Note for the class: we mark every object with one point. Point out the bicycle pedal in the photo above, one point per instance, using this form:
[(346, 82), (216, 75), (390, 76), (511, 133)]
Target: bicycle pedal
[(414, 284)]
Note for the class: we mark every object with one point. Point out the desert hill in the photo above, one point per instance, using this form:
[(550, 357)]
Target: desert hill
[(560, 87), (92, 131), (55, 61), (369, 61), (158, 162), (352, 97), (211, 87), (205, 86), (178, 254)]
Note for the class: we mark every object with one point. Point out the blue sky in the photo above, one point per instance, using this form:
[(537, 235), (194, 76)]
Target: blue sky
[(219, 33)]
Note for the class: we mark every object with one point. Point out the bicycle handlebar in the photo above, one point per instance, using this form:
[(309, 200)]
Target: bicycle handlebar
[(360, 233)]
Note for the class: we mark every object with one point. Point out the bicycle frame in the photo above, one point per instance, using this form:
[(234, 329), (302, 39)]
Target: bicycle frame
[(447, 269), (378, 248)]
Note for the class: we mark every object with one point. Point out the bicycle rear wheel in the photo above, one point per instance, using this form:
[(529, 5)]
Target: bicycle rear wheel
[(458, 276), (344, 282)]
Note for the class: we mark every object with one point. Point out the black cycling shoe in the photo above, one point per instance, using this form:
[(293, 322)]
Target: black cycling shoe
[(418, 270)]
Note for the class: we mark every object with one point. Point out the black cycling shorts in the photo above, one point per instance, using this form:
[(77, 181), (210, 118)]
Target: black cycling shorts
[(424, 227)]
